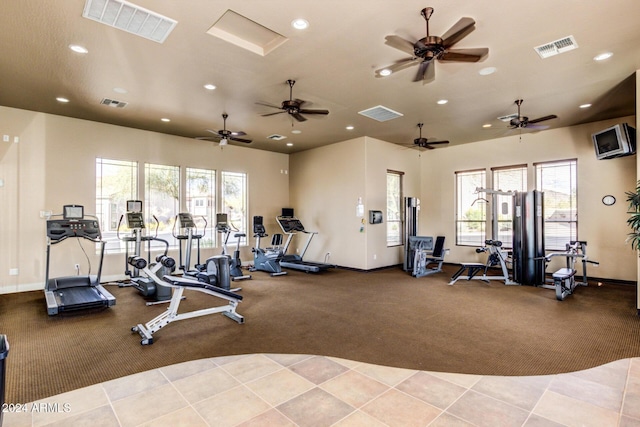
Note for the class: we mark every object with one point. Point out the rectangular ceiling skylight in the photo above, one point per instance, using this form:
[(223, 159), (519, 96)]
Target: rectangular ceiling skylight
[(241, 31), (380, 113), (128, 17)]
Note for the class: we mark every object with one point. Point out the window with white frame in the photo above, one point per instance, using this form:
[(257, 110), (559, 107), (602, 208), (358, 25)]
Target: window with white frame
[(506, 179), (233, 202), (394, 208), (162, 201), (471, 208), (200, 198), (116, 182), (558, 181)]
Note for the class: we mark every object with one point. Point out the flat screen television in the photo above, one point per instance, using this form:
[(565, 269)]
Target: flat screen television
[(615, 141)]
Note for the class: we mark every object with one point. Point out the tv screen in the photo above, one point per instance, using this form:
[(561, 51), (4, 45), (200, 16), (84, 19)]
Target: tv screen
[(615, 141)]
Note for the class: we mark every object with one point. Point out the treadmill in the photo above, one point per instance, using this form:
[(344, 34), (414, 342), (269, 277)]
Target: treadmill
[(72, 293), (291, 226)]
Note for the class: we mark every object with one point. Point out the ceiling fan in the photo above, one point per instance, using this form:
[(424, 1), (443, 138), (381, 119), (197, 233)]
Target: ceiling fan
[(424, 142), (293, 106), (224, 135), (429, 48), (521, 122)]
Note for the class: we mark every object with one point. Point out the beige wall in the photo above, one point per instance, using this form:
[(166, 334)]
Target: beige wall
[(54, 164), (325, 186), (603, 227)]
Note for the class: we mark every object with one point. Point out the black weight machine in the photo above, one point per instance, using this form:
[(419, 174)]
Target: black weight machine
[(71, 293), (266, 259), (145, 285), (179, 285), (223, 226)]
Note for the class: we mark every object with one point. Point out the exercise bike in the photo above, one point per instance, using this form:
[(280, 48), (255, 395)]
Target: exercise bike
[(564, 281), (235, 267), (267, 259)]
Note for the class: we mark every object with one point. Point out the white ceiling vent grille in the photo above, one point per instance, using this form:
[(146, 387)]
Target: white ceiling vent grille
[(380, 113), (129, 17), (113, 103), (276, 137), (554, 48)]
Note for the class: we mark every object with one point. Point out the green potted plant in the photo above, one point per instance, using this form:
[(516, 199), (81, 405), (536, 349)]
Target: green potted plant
[(633, 197)]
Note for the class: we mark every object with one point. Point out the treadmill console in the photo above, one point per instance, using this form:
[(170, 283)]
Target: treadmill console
[(59, 229), (290, 225)]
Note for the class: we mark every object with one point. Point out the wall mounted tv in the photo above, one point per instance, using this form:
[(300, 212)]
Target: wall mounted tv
[(615, 141)]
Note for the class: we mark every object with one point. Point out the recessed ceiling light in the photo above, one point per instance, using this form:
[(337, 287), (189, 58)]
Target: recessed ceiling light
[(585, 106), (385, 72), (289, 144), (603, 56), (78, 49), (443, 101), (488, 70), (349, 127), (209, 86), (120, 90), (300, 24), (296, 131), (62, 99), (486, 125), (164, 119)]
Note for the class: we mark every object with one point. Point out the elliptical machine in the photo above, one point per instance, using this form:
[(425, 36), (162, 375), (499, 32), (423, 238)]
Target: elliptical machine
[(184, 221), (223, 227), (267, 259), (146, 285)]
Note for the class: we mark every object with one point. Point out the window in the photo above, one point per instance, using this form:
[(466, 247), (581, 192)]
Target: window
[(234, 203), (162, 201), (394, 208), (558, 181), (506, 179), (201, 202), (471, 215), (116, 182)]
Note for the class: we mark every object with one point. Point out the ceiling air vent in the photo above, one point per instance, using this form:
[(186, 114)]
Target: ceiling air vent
[(113, 103), (129, 17), (554, 48), (380, 113), (276, 137)]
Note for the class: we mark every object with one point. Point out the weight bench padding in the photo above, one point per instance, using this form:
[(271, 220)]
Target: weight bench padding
[(564, 274), (472, 267), (186, 283)]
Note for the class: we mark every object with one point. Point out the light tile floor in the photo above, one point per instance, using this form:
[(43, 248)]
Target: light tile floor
[(300, 390)]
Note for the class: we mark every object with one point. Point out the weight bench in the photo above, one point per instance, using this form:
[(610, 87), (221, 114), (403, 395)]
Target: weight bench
[(179, 284), (564, 283), (472, 269), (496, 257)]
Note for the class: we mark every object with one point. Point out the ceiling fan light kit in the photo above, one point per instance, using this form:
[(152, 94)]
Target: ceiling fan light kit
[(224, 135)]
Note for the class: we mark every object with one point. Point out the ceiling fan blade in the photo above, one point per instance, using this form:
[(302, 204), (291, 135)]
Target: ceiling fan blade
[(206, 138), (398, 66), (399, 43), (215, 132), (542, 119), (427, 146), (267, 105), (246, 141), (464, 55), (238, 133), (314, 112), (459, 31), (272, 114), (298, 117), (438, 142), (426, 72)]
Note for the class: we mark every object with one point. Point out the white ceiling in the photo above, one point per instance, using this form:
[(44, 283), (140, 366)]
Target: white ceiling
[(333, 63)]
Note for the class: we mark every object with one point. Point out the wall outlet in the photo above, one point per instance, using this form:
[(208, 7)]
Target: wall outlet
[(13, 271)]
